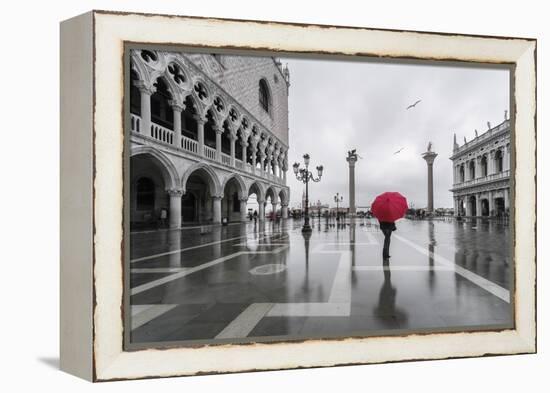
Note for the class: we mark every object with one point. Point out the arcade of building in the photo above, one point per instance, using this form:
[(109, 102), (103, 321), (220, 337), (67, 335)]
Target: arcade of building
[(197, 152), (481, 185)]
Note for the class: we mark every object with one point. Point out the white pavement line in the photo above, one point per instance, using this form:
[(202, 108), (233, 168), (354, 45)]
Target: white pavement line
[(342, 309), (191, 270), (188, 248), (246, 321), (158, 270), (403, 268), (172, 277), (489, 286), (148, 313), (341, 290)]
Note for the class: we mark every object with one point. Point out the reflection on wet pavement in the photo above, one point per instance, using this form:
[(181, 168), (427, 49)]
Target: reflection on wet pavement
[(245, 281)]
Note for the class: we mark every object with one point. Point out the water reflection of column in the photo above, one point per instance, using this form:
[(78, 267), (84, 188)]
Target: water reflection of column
[(352, 242), (174, 241), (307, 236), (216, 238), (431, 250)]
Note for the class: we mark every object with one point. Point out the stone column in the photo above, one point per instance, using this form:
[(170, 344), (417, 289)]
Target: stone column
[(146, 93), (478, 166), (262, 161), (177, 124), (429, 157), (261, 210), (274, 209), (478, 205), (456, 206), (284, 210), (232, 140), (217, 209), (491, 203), (468, 205), (491, 163), (200, 131), (243, 209), (352, 159), (174, 215), (244, 144), (219, 132), (506, 193), (254, 152)]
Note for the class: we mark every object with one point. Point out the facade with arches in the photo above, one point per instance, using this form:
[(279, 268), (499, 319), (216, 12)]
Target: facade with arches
[(481, 173), (207, 131)]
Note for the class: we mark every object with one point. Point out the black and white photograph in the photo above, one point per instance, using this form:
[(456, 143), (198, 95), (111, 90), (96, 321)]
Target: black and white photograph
[(276, 197)]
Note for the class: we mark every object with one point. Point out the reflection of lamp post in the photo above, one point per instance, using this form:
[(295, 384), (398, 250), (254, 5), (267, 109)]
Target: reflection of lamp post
[(304, 175), (338, 198)]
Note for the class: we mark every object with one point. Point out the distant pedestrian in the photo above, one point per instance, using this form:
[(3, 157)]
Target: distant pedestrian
[(387, 228), (255, 216)]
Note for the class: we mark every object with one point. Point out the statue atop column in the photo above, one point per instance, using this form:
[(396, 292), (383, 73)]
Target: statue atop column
[(352, 159), (429, 156)]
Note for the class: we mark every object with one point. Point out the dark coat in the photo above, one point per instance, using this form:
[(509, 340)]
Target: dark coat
[(384, 225)]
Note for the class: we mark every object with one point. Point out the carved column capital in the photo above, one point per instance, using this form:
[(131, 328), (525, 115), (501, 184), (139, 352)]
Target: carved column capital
[(174, 192)]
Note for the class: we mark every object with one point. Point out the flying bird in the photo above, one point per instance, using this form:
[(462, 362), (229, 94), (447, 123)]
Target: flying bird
[(413, 105), (398, 151)]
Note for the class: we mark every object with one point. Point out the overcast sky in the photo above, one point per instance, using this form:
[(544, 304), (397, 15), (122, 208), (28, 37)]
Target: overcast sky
[(335, 106)]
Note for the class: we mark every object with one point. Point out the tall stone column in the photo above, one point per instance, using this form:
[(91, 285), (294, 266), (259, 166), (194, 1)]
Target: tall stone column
[(274, 209), (352, 159), (478, 205), (174, 215), (218, 143), (200, 131), (177, 124), (217, 209), (261, 210), (284, 210), (429, 157), (243, 209), (146, 93)]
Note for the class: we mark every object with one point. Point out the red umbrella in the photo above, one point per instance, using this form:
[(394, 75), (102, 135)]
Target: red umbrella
[(389, 206)]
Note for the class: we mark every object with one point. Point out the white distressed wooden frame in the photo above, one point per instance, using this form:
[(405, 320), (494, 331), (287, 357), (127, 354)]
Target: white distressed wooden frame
[(92, 194)]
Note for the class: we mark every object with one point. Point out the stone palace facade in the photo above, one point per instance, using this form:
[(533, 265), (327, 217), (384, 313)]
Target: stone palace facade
[(207, 131), (481, 181)]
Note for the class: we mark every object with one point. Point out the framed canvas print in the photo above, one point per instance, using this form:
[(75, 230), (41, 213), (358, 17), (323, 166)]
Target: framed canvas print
[(243, 195)]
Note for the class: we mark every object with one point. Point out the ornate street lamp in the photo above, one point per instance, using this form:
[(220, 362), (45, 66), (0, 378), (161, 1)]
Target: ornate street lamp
[(304, 175), (338, 198)]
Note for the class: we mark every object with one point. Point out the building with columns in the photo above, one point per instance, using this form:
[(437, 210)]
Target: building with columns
[(481, 173), (206, 132)]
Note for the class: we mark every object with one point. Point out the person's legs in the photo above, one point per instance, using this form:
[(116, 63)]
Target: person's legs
[(386, 250)]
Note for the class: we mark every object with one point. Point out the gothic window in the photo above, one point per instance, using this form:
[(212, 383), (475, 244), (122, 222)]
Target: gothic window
[(161, 111), (176, 73), (264, 95), (189, 126), (145, 194)]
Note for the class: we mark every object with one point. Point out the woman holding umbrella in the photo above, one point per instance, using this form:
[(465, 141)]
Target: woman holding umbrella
[(387, 208)]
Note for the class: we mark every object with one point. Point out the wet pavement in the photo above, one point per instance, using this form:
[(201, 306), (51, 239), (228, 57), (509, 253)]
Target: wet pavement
[(246, 282)]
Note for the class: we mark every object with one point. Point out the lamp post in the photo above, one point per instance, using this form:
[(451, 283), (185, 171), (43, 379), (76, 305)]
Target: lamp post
[(305, 176), (338, 198)]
